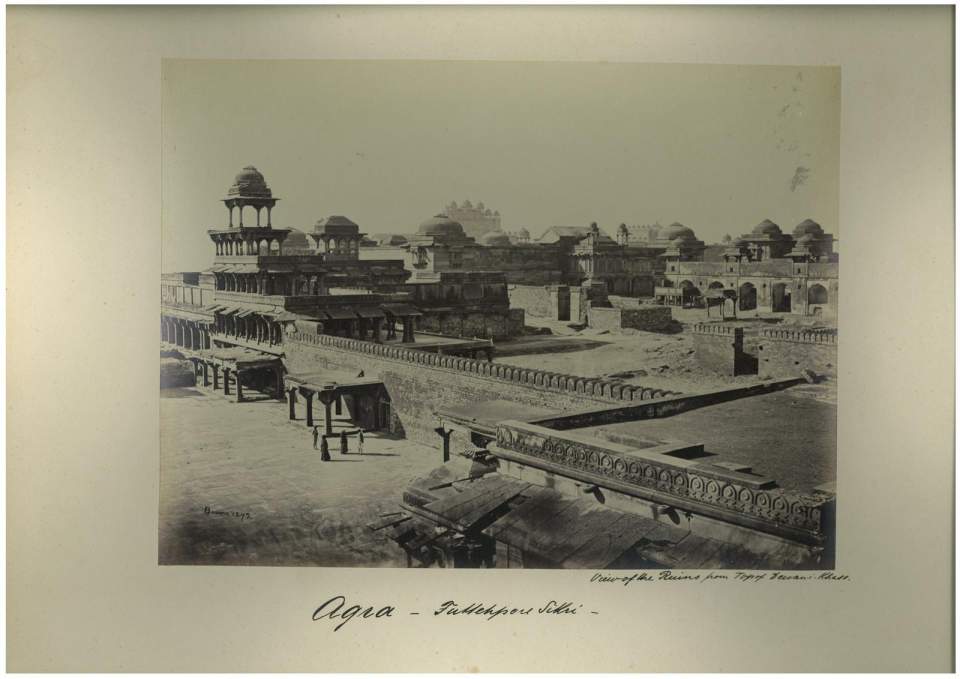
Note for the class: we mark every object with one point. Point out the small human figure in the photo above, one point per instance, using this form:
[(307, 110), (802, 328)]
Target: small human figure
[(360, 440), (324, 450), (343, 443), (360, 374), (316, 435)]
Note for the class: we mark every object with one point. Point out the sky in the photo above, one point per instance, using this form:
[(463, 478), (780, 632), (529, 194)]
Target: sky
[(390, 143)]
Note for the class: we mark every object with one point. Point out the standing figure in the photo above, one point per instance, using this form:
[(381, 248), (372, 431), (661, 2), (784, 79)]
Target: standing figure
[(360, 440), (343, 443), (316, 435), (324, 450)]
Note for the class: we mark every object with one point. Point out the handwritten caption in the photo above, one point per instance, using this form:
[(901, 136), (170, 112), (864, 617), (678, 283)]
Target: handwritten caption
[(732, 576), (338, 611), (243, 516)]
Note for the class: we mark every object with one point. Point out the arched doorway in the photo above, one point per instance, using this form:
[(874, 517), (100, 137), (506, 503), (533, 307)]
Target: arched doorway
[(781, 298), (691, 293), (817, 294), (748, 297)]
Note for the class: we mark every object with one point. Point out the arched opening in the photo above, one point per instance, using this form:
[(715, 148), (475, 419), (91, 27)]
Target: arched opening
[(748, 297), (716, 285), (817, 294), (691, 293), (781, 298)]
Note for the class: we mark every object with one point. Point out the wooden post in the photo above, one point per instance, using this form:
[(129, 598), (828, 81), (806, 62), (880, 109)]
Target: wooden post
[(292, 396)]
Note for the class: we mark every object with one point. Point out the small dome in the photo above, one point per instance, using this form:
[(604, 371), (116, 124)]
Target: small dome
[(675, 230), (808, 227), (297, 241), (250, 183), (767, 228), (441, 225), (495, 238), (523, 232), (466, 204), (496, 213)]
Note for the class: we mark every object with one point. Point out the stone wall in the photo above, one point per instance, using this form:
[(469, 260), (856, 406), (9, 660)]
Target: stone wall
[(648, 318), (720, 349), (540, 301), (491, 324), (420, 382), (787, 352)]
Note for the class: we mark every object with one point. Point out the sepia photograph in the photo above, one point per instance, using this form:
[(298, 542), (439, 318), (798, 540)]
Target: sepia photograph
[(485, 331), (440, 314)]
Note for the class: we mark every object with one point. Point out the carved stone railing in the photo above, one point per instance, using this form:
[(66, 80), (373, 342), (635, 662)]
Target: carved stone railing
[(597, 388), (823, 336), (685, 483)]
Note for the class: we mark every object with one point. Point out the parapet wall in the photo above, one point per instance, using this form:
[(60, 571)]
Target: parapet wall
[(687, 485), (647, 318), (719, 349), (787, 352), (420, 382)]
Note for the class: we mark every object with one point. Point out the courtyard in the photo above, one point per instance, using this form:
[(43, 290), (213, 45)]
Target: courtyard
[(241, 484)]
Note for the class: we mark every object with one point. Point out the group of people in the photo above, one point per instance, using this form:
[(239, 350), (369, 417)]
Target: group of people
[(324, 447)]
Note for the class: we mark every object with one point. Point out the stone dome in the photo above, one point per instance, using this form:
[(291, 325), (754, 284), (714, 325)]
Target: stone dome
[(495, 238), (808, 227), (767, 228), (441, 225), (250, 182), (297, 242), (676, 230)]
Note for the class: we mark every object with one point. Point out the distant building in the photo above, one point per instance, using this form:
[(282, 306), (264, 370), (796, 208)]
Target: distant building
[(475, 219)]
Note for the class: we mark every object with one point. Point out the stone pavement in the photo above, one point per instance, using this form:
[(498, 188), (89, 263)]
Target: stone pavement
[(241, 484)]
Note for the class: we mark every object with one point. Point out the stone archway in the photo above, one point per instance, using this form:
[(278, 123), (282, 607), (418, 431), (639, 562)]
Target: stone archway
[(748, 297), (817, 294), (780, 298)]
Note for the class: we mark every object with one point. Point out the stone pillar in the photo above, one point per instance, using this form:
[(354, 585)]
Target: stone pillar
[(445, 435), (239, 386), (279, 385), (408, 329), (206, 375), (376, 331), (226, 381), (216, 377), (327, 397), (292, 399), (338, 405), (309, 398)]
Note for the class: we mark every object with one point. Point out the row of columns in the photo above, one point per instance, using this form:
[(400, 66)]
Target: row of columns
[(253, 327), (184, 333), (328, 397), (210, 374), (270, 284), (243, 245), (258, 208), (370, 329)]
